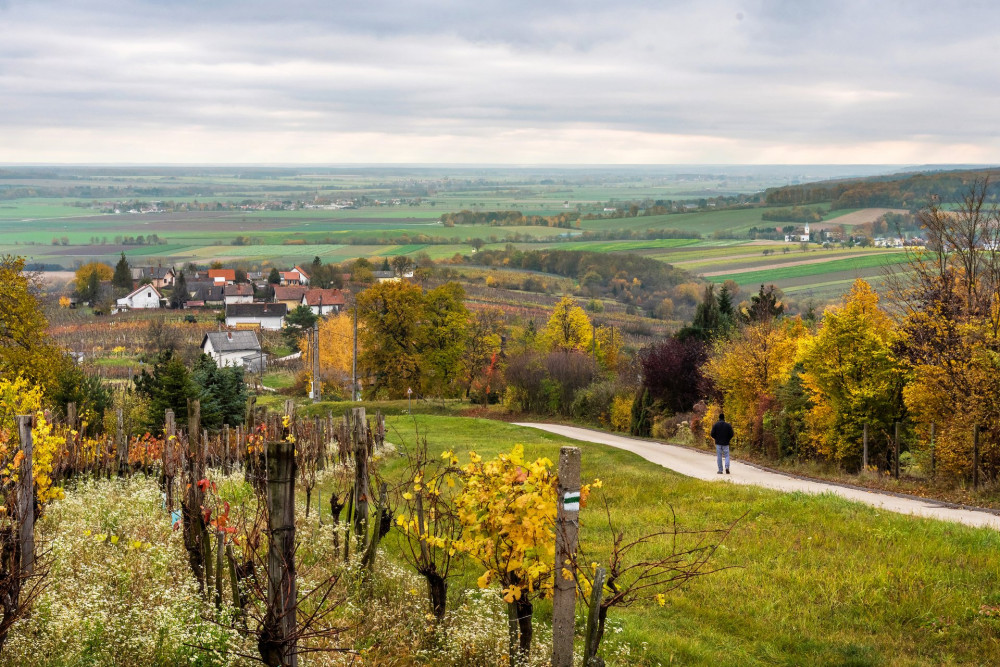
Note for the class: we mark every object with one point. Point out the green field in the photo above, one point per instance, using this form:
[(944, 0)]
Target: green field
[(784, 274)]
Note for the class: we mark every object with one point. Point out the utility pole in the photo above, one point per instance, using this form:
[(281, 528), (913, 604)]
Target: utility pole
[(354, 360), (317, 385)]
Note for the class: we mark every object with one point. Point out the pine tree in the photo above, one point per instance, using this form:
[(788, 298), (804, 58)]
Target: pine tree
[(179, 295), (122, 278)]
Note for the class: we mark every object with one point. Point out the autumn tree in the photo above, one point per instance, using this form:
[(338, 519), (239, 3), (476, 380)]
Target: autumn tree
[(853, 377), (444, 336), (568, 327), (84, 280), (950, 330), (672, 372), (336, 348), (25, 347), (486, 327), (748, 368), (391, 338)]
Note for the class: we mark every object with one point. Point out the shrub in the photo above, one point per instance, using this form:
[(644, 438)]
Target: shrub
[(593, 402), (621, 413)]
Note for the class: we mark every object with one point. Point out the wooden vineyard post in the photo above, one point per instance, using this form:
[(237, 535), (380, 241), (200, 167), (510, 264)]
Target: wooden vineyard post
[(277, 646), (362, 490), (169, 442), (895, 449), (592, 639), (121, 443), (567, 529), (73, 462), (864, 451), (225, 448), (191, 516), (289, 407), (26, 499), (975, 456)]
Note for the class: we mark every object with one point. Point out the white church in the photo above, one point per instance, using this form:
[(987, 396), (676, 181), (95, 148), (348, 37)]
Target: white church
[(795, 238)]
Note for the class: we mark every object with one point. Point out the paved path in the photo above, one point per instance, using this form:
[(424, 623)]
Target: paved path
[(701, 465)]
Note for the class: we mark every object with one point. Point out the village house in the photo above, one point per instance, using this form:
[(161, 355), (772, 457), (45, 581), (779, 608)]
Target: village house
[(239, 293), (234, 348), (222, 276), (290, 295), (158, 276), (144, 296), (205, 294), (269, 316), (324, 301), (296, 276)]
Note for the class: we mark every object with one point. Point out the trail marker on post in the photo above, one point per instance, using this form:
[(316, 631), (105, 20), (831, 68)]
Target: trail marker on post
[(567, 531), (409, 392)]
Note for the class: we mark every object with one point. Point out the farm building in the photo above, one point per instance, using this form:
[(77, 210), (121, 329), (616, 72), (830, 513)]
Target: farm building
[(209, 294), (264, 315), (324, 301), (231, 348), (240, 293), (144, 296)]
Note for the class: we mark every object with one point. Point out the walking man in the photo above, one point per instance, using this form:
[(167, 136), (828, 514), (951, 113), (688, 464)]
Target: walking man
[(722, 433)]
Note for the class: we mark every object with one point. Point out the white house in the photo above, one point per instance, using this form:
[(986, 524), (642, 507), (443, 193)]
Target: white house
[(238, 293), (264, 315), (144, 296), (231, 348)]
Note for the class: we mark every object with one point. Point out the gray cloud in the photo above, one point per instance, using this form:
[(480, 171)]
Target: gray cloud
[(750, 78)]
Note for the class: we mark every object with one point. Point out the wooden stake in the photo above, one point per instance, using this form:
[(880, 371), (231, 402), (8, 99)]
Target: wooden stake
[(567, 529), (592, 639), (895, 463), (281, 589), (864, 454), (26, 499)]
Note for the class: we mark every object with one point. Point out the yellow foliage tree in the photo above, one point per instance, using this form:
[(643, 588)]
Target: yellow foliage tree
[(568, 328), (336, 348), (853, 378), (25, 348), (103, 271), (748, 369), (21, 397)]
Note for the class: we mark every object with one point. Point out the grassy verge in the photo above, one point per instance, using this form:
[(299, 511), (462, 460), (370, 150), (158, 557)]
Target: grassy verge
[(820, 580)]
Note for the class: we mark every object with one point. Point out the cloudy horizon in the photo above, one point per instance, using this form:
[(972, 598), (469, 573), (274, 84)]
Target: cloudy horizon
[(717, 82)]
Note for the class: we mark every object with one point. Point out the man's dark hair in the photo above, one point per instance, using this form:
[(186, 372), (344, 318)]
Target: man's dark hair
[(722, 417)]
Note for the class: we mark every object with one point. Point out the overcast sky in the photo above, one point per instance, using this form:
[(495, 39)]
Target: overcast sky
[(517, 81)]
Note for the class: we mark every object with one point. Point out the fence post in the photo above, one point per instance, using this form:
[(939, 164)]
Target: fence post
[(225, 448), (281, 593), (567, 529), (895, 447), (975, 456), (592, 639), (26, 499), (864, 453)]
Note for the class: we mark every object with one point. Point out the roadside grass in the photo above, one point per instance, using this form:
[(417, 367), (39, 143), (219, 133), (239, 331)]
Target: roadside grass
[(814, 579)]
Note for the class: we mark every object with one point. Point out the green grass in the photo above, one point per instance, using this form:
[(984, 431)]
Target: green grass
[(817, 580)]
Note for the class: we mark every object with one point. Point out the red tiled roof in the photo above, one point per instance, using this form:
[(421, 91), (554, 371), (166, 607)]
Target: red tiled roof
[(328, 297)]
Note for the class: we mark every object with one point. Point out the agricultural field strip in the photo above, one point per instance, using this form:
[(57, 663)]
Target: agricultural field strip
[(702, 465), (832, 266), (772, 263)]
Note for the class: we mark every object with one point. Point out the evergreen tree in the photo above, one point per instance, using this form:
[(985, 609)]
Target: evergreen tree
[(642, 408), (296, 323), (168, 387), (122, 278), (274, 277), (179, 295)]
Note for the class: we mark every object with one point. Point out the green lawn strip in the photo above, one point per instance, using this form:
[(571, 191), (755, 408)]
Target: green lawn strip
[(785, 273), (815, 256), (817, 579)]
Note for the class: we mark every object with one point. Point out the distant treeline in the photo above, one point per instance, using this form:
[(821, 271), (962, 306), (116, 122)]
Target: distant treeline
[(896, 191), (508, 219), (794, 214), (627, 277)]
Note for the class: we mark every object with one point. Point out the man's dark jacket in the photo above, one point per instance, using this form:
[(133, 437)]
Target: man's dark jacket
[(722, 433)]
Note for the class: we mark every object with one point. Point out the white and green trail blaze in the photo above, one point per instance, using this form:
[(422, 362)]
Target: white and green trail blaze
[(571, 501)]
